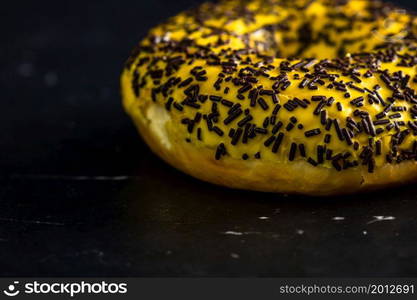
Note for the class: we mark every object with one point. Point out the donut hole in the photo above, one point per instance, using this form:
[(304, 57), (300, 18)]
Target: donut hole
[(325, 31)]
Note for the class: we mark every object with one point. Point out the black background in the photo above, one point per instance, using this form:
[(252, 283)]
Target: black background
[(62, 129)]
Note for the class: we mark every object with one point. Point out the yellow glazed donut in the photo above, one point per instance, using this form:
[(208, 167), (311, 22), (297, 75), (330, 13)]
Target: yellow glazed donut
[(314, 97)]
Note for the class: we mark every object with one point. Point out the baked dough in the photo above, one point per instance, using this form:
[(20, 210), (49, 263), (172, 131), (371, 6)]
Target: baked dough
[(311, 97)]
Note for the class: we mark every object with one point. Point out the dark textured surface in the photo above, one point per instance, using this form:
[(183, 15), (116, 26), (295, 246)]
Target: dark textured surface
[(63, 128)]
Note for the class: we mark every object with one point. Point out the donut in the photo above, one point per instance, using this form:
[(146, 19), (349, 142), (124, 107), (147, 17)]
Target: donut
[(313, 97)]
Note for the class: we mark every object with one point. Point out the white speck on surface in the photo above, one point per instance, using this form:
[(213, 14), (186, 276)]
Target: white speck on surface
[(338, 218), (252, 232), (364, 232), (381, 218), (25, 69), (234, 255), (300, 231), (24, 221), (233, 232), (263, 218), (51, 79)]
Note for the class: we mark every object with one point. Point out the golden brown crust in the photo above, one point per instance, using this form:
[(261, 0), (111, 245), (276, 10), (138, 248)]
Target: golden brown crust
[(297, 177), (294, 178)]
